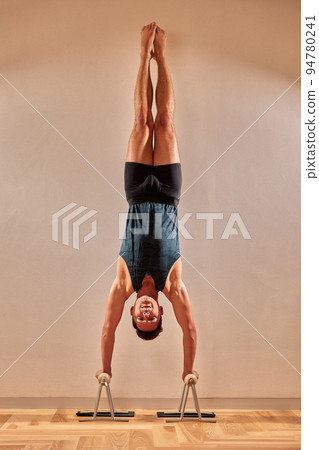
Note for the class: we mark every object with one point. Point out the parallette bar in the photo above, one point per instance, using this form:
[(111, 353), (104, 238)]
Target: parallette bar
[(104, 379), (181, 415)]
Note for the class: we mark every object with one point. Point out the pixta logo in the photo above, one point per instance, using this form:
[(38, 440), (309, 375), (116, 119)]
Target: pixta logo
[(65, 228), (139, 223)]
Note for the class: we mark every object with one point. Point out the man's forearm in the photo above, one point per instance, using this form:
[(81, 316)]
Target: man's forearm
[(189, 344), (107, 345)]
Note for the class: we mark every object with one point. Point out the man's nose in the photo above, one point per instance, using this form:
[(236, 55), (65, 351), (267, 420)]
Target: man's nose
[(146, 313)]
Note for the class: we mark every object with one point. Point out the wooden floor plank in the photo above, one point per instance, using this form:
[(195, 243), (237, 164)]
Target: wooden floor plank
[(235, 429), (87, 442)]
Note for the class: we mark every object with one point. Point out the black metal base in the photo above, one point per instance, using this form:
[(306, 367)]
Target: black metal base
[(106, 413), (186, 414)]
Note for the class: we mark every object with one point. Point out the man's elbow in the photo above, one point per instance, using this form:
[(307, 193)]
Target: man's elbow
[(190, 331), (108, 330)]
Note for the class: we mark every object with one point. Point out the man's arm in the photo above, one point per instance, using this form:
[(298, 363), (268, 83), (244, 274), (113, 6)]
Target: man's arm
[(120, 291), (178, 295), (113, 314)]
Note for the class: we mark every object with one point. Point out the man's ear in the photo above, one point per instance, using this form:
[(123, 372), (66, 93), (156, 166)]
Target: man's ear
[(131, 310), (161, 310)]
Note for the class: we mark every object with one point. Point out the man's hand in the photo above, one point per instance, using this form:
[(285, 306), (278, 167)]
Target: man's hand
[(186, 372), (109, 372)]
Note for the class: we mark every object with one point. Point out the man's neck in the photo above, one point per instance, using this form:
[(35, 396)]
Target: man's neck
[(148, 288)]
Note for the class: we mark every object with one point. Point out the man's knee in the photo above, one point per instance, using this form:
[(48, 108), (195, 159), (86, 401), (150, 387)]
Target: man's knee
[(164, 119), (144, 118)]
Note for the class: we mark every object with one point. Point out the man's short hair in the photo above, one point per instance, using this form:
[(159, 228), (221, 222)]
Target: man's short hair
[(148, 335)]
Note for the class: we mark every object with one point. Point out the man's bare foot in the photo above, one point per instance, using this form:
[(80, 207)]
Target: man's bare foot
[(159, 43), (147, 40)]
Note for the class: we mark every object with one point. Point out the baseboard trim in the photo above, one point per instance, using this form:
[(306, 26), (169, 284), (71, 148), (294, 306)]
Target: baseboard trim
[(147, 403)]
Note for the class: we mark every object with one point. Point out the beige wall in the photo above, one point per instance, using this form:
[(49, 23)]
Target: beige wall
[(76, 63)]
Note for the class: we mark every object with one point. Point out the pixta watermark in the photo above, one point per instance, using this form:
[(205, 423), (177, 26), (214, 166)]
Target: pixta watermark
[(67, 221), (159, 225)]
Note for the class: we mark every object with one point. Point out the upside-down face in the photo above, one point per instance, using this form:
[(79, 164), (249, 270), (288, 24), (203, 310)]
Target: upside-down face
[(146, 313)]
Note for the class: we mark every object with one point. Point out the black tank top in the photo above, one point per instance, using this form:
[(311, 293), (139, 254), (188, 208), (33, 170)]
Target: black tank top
[(151, 243)]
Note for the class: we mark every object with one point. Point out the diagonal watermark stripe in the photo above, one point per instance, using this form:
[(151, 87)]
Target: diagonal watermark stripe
[(241, 135), (63, 137), (241, 315), (57, 319)]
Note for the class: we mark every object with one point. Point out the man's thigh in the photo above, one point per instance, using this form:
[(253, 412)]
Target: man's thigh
[(140, 146), (165, 143)]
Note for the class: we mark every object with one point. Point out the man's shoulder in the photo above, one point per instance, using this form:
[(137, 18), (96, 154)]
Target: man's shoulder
[(123, 276), (174, 279)]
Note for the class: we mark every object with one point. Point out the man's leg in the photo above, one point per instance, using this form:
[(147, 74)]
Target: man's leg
[(140, 147), (165, 144)]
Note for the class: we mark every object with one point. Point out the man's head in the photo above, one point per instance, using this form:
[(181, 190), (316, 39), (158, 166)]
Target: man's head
[(147, 317)]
